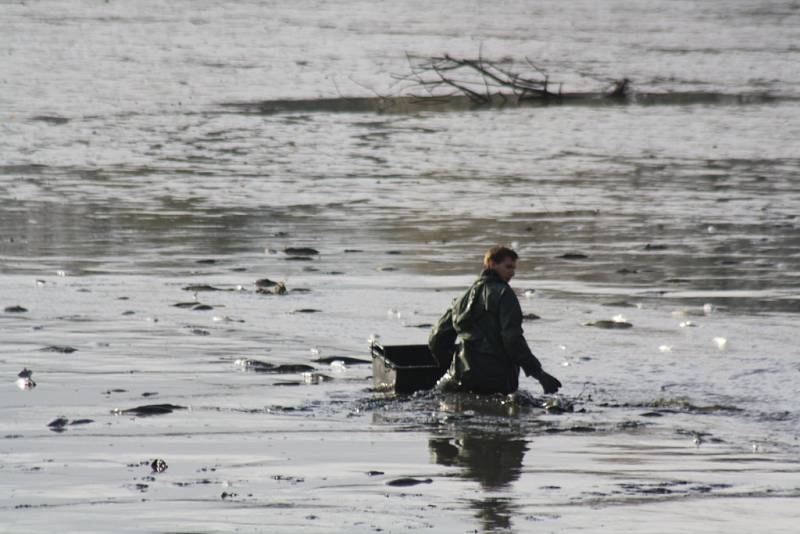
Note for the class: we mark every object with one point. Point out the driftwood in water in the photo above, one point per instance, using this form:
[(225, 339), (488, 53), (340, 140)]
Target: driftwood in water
[(447, 83), (487, 83), (482, 81)]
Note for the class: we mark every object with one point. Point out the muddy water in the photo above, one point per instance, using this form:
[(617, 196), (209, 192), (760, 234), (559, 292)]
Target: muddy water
[(127, 176)]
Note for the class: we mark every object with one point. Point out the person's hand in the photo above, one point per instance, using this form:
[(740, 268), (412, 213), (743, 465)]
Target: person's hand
[(548, 382)]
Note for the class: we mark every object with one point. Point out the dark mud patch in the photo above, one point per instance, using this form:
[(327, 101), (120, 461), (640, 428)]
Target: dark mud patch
[(300, 251), (620, 304), (63, 349), (579, 429), (150, 409), (201, 287), (610, 325), (58, 424), (53, 120), (265, 283), (406, 482), (77, 422)]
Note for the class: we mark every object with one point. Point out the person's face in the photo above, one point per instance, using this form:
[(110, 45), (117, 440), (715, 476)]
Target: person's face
[(505, 268)]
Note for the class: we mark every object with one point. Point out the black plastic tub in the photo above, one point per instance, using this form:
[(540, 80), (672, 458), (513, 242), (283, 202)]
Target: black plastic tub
[(405, 368)]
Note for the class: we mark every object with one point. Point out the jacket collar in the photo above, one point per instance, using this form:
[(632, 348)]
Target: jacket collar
[(490, 274)]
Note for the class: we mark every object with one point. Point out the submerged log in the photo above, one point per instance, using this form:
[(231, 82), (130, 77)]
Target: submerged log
[(447, 83)]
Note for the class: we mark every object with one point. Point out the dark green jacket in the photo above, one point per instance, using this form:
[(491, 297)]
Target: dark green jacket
[(488, 320)]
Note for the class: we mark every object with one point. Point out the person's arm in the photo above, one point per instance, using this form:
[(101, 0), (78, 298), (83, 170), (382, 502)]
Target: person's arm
[(515, 345), (443, 337)]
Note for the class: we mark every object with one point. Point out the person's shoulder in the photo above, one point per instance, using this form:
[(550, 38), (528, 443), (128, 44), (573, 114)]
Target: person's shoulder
[(499, 287)]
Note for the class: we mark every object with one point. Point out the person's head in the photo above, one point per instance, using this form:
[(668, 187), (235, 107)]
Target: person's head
[(501, 260)]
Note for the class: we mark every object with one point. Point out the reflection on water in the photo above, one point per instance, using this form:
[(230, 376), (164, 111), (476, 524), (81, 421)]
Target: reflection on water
[(494, 460), (489, 448)]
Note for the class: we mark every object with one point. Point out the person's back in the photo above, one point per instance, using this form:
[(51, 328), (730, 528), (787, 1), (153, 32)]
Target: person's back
[(488, 320)]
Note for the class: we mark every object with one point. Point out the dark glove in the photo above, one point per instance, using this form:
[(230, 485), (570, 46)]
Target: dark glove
[(548, 382)]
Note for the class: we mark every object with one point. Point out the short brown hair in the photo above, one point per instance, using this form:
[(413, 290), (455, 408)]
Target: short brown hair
[(498, 253)]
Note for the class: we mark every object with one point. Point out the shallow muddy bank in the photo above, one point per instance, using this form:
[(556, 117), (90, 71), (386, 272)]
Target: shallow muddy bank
[(644, 432)]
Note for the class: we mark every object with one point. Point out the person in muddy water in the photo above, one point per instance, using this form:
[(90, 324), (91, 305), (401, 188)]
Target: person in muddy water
[(487, 319)]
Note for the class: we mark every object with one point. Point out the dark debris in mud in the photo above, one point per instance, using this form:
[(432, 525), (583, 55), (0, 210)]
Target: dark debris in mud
[(265, 286), (158, 465)]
